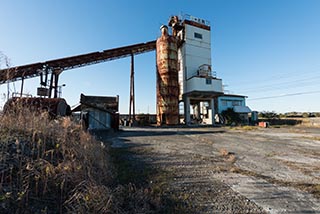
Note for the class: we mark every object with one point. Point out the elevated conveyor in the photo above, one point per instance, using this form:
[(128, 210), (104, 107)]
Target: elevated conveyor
[(57, 66)]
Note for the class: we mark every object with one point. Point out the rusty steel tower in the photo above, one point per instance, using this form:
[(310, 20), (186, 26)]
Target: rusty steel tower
[(167, 79)]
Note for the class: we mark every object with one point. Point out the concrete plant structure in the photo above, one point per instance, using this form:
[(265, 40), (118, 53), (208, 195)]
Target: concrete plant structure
[(186, 82), (199, 87)]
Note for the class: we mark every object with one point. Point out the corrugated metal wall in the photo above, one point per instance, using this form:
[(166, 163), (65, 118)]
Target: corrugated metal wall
[(99, 119)]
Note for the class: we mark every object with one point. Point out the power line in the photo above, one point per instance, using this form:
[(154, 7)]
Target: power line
[(282, 76), (285, 95), (283, 87), (281, 84)]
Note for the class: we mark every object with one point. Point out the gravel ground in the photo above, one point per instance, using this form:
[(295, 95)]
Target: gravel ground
[(222, 170)]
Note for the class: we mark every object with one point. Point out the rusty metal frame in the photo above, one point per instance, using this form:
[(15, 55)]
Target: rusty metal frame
[(33, 70)]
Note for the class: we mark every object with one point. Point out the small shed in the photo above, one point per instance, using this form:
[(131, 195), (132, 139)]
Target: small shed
[(243, 112), (235, 102), (99, 112)]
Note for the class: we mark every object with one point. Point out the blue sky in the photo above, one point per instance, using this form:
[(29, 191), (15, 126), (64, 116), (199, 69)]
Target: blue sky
[(268, 50)]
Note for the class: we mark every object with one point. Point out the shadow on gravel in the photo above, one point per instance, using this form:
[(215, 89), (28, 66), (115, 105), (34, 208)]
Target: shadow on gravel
[(139, 187), (177, 180), (142, 188), (175, 183), (140, 132)]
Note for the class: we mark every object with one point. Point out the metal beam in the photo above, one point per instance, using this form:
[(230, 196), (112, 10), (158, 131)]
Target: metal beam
[(33, 70)]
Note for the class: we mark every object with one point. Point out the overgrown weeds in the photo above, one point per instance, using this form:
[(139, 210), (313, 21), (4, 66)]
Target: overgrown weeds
[(45, 162), (53, 166), (47, 166)]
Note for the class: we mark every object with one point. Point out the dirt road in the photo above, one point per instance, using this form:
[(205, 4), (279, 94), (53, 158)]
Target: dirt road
[(222, 170)]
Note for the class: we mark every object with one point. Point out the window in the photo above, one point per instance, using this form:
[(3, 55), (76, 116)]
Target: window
[(224, 102), (236, 103), (208, 81), (198, 35)]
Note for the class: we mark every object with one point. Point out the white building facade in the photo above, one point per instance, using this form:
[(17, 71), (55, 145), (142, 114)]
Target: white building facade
[(199, 88)]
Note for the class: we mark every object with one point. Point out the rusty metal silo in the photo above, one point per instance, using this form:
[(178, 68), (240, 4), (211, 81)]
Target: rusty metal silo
[(167, 79)]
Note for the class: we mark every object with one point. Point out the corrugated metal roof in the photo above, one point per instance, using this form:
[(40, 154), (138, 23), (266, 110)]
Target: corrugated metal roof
[(241, 109)]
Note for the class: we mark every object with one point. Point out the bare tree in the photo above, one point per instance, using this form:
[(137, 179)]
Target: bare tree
[(5, 61)]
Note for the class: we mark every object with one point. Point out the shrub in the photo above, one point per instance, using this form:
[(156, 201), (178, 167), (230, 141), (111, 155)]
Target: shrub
[(269, 115), (231, 116)]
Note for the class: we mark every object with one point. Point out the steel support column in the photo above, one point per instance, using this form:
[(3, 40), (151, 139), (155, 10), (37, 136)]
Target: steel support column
[(132, 98), (51, 85), (187, 118), (22, 85), (212, 111), (56, 82)]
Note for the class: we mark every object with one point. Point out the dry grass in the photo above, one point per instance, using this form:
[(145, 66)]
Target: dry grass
[(224, 152), (312, 138), (228, 156), (53, 166), (245, 128), (44, 162)]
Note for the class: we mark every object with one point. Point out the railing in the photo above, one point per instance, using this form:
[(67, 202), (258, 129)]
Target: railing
[(207, 74), (195, 19), (204, 71), (202, 74), (17, 94)]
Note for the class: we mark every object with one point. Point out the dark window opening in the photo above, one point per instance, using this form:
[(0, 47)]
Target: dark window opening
[(224, 102), (208, 81), (236, 103), (198, 35)]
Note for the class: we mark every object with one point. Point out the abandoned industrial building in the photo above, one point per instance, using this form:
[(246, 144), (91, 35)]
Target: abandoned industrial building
[(184, 65), (188, 90)]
